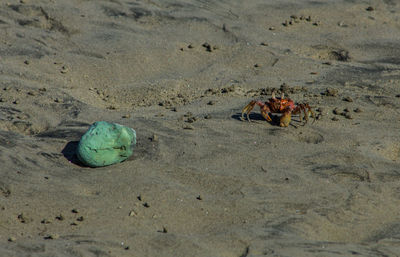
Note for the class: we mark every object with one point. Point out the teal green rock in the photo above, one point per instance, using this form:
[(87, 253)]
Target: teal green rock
[(106, 143)]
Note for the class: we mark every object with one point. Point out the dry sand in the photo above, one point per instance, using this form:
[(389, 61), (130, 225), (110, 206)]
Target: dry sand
[(201, 181)]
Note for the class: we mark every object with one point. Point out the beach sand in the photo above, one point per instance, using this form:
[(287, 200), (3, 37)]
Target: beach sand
[(201, 181)]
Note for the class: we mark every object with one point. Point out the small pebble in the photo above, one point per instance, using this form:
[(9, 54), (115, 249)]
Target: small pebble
[(64, 69), (154, 138), (264, 44), (271, 28), (132, 213), (164, 230), (52, 236), (211, 102), (199, 197), (207, 46), (336, 111), (207, 117), (126, 116), (188, 126), (369, 8), (146, 205), (188, 114), (190, 46), (26, 62), (191, 119), (346, 110), (12, 239), (348, 99), (335, 119), (45, 221), (348, 116), (22, 218), (358, 110), (331, 92), (60, 217), (80, 218)]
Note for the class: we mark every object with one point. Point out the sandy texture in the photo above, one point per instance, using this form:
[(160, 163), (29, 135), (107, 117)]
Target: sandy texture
[(201, 181)]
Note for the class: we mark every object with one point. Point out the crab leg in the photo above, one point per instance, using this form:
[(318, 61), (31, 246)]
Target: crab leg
[(298, 110), (301, 119), (307, 111), (310, 112), (247, 109), (263, 108), (303, 108)]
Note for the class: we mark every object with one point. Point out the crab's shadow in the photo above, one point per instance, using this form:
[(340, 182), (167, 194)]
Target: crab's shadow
[(257, 118)]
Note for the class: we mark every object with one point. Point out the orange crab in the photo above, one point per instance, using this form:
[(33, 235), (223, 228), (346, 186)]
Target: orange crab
[(279, 105)]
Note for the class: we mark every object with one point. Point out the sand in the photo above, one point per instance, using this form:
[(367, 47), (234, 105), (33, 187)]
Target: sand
[(201, 181)]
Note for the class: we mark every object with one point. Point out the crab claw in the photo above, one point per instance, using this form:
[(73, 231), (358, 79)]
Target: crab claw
[(285, 119)]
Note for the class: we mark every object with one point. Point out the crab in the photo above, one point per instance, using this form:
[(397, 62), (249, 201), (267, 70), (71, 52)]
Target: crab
[(280, 105)]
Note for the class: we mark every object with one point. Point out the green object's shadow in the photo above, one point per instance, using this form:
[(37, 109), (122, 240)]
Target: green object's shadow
[(69, 153)]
